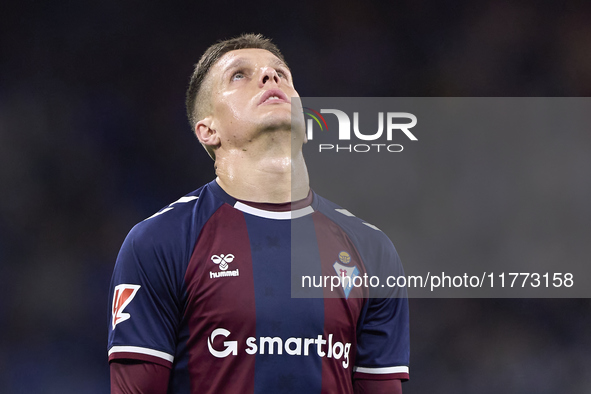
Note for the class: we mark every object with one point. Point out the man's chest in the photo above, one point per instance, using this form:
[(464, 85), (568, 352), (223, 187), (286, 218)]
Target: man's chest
[(241, 279)]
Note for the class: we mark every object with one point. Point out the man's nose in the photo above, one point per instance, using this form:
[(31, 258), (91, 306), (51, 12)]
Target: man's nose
[(269, 75)]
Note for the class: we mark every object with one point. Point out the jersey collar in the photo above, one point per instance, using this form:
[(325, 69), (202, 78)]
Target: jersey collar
[(283, 211)]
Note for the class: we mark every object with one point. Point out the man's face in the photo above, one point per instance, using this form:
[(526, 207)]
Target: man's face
[(251, 92)]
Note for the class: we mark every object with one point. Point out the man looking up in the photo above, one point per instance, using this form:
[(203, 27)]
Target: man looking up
[(201, 291)]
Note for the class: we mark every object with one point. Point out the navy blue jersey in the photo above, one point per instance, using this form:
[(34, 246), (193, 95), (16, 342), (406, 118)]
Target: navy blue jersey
[(206, 287)]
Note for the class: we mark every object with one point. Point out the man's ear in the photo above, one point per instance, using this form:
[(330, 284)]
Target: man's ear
[(206, 134)]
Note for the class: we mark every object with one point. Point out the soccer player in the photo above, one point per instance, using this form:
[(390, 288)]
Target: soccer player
[(201, 295)]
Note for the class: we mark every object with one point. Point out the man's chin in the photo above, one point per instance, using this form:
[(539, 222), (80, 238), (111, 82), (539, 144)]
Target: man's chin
[(278, 125)]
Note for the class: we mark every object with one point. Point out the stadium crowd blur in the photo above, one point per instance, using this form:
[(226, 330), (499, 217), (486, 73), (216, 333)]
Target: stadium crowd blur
[(93, 139)]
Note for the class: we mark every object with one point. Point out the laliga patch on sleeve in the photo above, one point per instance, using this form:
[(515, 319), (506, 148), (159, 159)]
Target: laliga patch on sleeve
[(123, 295)]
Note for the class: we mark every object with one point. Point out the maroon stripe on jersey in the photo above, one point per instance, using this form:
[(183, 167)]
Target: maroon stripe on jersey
[(340, 314), (138, 377), (220, 294), (391, 386)]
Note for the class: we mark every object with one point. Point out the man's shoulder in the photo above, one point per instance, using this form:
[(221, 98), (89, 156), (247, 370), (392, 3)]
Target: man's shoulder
[(375, 247), (348, 220), (176, 221), (177, 210)]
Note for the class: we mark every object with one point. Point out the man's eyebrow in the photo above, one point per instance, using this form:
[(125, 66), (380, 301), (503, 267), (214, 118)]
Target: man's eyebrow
[(236, 63), (241, 62), (277, 62)]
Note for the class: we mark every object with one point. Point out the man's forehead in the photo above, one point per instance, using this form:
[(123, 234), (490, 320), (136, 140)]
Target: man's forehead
[(245, 56)]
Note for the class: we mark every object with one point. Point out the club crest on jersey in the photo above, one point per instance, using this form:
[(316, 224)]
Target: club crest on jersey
[(121, 298), (347, 274), (222, 262), (344, 257)]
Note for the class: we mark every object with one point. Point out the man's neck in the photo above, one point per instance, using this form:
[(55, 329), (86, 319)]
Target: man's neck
[(275, 178)]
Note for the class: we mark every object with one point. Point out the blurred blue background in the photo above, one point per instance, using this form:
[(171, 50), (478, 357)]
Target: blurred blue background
[(93, 139)]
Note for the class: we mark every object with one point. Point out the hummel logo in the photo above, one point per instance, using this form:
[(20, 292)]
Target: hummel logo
[(222, 260)]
